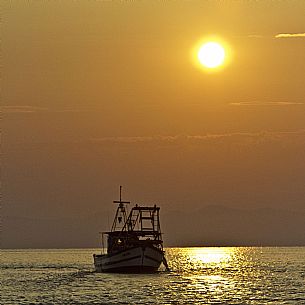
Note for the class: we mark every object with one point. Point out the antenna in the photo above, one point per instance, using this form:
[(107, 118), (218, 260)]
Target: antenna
[(120, 216), (120, 192), (120, 201)]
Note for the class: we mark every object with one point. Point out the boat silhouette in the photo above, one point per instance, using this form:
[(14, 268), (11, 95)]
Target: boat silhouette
[(134, 244)]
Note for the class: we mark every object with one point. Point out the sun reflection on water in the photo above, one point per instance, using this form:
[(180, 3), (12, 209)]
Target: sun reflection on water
[(214, 273), (240, 275), (210, 255), (196, 260)]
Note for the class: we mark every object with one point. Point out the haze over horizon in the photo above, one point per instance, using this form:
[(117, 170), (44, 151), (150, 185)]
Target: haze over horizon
[(99, 94)]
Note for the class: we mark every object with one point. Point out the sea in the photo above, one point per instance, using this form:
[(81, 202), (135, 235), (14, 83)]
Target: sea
[(203, 275)]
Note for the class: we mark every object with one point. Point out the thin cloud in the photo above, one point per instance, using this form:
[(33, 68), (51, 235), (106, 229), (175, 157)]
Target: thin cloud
[(265, 103), (290, 35), (255, 36), (140, 139), (35, 109), (199, 138), (22, 109)]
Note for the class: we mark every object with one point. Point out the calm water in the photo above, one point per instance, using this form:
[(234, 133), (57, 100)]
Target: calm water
[(198, 276)]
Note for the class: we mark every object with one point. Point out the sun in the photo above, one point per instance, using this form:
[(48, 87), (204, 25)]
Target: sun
[(211, 55)]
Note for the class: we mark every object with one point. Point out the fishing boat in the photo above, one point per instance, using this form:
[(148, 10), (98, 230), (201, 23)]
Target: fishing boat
[(134, 244)]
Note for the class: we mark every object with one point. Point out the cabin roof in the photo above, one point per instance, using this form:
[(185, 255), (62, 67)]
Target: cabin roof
[(135, 232), (139, 208)]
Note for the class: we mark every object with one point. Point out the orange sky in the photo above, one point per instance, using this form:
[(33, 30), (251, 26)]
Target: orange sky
[(101, 93)]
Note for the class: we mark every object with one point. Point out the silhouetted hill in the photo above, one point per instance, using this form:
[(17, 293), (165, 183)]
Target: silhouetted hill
[(212, 225), (217, 225)]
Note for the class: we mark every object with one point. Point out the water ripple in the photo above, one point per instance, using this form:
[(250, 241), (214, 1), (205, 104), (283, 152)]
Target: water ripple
[(197, 276)]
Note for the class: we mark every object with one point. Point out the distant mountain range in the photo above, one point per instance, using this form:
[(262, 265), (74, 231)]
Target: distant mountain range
[(219, 225), (209, 226)]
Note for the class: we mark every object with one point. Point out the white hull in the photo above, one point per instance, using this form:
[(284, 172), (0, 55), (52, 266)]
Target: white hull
[(139, 259)]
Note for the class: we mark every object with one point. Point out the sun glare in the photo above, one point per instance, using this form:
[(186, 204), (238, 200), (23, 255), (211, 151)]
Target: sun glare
[(211, 255), (211, 55)]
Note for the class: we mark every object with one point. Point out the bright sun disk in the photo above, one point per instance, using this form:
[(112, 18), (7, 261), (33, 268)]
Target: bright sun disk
[(211, 55)]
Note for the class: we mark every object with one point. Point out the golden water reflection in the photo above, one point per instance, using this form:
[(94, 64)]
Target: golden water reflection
[(203, 258), (209, 259), (241, 275), (210, 255), (197, 259), (215, 273)]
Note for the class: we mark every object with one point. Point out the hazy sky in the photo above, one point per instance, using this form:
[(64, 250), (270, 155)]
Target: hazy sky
[(97, 94)]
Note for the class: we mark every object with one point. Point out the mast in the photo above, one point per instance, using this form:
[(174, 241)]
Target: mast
[(121, 215)]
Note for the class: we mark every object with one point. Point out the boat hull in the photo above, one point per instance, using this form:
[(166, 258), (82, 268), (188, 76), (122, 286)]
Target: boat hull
[(134, 260)]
